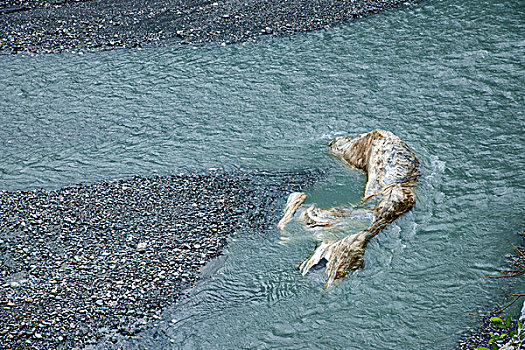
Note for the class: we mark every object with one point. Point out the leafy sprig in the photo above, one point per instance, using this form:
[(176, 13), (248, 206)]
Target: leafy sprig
[(511, 338)]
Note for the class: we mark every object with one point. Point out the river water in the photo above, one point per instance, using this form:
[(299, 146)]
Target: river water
[(446, 76)]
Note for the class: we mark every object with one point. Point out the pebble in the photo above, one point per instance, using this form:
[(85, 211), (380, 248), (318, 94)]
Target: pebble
[(267, 30), (141, 247), (85, 282)]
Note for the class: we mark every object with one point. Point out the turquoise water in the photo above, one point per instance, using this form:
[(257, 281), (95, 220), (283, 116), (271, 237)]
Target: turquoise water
[(446, 76)]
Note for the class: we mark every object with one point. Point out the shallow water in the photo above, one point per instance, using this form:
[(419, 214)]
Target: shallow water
[(446, 76)]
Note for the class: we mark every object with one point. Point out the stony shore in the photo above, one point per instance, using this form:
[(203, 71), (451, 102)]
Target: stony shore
[(480, 336), (48, 26), (87, 264)]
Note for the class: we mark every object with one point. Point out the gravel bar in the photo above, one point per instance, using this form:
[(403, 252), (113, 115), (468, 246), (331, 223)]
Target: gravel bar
[(90, 264), (48, 26)]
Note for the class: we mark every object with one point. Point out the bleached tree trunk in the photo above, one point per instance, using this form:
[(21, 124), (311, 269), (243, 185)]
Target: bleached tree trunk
[(391, 169)]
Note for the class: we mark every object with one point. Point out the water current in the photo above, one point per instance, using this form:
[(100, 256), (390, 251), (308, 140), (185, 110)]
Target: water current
[(446, 76)]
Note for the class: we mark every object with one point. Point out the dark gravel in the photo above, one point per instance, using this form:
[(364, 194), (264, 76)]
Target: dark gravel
[(94, 263), (479, 336), (47, 26)]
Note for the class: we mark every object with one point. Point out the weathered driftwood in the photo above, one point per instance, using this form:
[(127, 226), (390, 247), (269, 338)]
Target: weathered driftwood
[(292, 204), (391, 169)]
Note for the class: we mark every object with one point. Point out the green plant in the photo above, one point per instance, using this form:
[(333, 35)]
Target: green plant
[(508, 338)]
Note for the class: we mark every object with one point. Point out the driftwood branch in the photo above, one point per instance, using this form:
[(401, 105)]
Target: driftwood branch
[(519, 263), (500, 310)]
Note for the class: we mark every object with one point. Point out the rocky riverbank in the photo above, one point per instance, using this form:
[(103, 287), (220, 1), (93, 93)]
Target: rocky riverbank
[(92, 263), (47, 26), (480, 336)]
